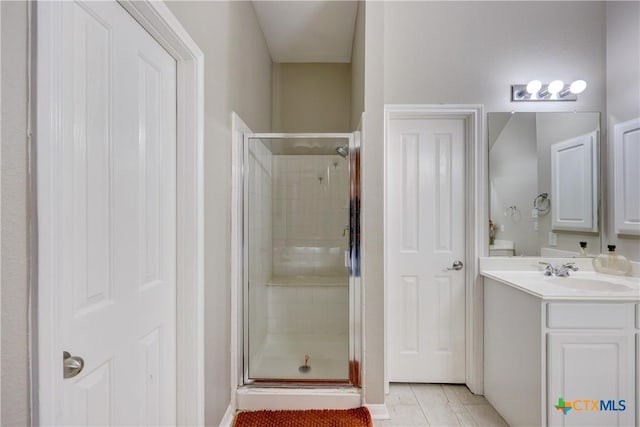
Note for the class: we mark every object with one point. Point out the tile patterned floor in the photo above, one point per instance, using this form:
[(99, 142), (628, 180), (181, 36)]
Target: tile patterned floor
[(416, 405)]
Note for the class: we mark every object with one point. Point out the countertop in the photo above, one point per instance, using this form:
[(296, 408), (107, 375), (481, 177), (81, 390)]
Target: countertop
[(560, 288)]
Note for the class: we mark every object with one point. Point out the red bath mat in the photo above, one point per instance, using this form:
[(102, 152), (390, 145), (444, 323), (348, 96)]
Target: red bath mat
[(358, 417)]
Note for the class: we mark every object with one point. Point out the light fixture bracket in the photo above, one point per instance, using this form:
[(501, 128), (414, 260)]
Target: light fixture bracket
[(519, 94)]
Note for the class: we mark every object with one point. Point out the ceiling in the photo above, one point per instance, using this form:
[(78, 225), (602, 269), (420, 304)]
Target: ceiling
[(308, 31)]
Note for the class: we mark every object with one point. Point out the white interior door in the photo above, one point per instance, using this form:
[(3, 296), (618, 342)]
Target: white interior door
[(425, 229), (111, 234)]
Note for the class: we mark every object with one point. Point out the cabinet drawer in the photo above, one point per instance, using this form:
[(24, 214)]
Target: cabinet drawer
[(589, 316)]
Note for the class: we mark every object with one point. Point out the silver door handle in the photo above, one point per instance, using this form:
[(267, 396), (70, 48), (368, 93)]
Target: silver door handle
[(457, 265), (71, 365)]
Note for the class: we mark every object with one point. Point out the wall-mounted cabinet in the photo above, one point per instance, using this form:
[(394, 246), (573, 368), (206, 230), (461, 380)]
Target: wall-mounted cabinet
[(626, 152), (574, 184)]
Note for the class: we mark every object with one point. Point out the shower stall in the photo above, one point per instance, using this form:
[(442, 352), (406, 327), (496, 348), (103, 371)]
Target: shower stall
[(301, 244)]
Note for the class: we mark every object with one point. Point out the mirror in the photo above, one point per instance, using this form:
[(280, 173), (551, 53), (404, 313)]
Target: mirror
[(544, 184)]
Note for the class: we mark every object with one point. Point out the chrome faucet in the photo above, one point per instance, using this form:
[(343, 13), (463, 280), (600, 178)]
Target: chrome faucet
[(548, 269), (562, 271)]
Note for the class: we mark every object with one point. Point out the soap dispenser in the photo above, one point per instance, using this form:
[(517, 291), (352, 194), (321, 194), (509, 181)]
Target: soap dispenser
[(611, 262), (583, 249)]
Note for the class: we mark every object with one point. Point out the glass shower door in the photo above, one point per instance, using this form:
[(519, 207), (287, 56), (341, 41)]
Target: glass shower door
[(297, 246)]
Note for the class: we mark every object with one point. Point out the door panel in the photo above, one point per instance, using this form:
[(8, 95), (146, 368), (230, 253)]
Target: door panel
[(116, 301), (93, 397), (425, 235), (90, 220), (595, 366)]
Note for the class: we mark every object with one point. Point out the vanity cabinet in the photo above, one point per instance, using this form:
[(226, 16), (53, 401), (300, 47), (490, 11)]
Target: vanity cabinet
[(538, 351)]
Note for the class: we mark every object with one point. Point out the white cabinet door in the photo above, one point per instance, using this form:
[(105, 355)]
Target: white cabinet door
[(425, 231), (574, 184), (626, 153), (584, 369)]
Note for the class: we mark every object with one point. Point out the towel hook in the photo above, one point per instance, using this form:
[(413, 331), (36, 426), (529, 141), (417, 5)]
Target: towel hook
[(513, 212)]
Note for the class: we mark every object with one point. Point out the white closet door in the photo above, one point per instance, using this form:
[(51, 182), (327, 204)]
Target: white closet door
[(112, 230), (425, 229)]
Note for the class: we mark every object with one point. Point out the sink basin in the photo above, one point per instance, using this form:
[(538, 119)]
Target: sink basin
[(589, 284)]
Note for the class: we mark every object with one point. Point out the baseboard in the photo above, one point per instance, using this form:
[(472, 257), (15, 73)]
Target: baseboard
[(229, 415), (378, 411)]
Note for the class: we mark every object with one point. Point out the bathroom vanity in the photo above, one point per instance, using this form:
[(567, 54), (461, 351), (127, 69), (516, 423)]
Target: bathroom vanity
[(574, 338)]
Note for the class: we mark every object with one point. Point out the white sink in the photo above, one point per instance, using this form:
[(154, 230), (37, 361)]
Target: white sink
[(581, 284)]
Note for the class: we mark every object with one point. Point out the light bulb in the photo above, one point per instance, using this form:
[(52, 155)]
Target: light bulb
[(534, 86), (578, 86), (555, 86)]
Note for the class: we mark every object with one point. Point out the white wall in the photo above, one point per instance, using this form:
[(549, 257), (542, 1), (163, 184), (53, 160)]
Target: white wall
[(623, 100), (15, 217), (357, 67), (237, 78), (471, 52), (311, 97), (372, 204)]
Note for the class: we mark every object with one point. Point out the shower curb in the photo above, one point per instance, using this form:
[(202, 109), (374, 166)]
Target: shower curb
[(297, 398)]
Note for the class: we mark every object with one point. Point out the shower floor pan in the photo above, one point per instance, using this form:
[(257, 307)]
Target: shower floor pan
[(282, 355)]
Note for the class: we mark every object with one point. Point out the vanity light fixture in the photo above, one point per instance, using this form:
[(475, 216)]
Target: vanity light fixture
[(534, 86), (576, 87), (554, 91), (551, 89), (531, 89), (555, 86)]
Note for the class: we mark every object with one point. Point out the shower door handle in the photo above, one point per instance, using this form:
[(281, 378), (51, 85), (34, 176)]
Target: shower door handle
[(457, 265)]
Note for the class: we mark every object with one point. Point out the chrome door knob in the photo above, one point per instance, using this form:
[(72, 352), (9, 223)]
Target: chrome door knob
[(71, 365), (457, 265)]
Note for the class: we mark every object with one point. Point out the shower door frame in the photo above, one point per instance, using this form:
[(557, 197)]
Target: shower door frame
[(355, 284)]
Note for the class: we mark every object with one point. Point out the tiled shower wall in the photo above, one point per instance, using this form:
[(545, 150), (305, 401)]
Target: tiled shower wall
[(308, 310), (310, 213), (260, 240)]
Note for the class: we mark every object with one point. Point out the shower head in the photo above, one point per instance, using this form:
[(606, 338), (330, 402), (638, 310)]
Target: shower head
[(343, 150)]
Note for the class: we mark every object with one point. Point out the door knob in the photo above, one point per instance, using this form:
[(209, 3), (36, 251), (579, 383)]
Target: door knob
[(457, 265), (72, 365)]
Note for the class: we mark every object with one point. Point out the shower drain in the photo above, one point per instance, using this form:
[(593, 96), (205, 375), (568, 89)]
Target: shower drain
[(305, 368)]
